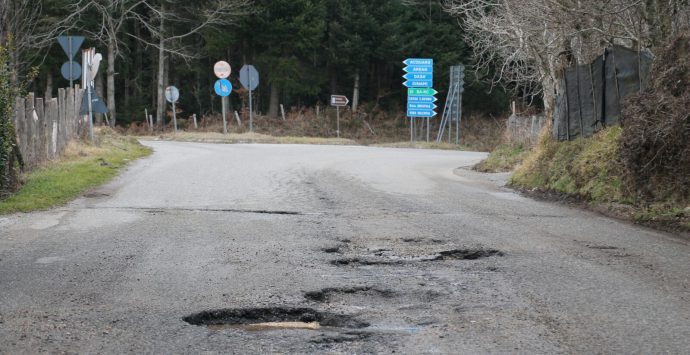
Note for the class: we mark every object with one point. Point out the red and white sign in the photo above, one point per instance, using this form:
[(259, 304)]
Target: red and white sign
[(222, 69)]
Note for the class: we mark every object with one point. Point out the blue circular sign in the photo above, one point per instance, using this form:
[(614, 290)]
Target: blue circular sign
[(223, 87), (71, 70)]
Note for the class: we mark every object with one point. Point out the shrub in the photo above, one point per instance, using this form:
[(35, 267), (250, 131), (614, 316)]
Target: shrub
[(655, 145)]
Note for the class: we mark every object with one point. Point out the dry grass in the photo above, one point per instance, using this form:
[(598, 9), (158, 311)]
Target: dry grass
[(234, 138), (303, 126)]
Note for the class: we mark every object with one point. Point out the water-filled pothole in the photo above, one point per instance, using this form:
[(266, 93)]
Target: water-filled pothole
[(273, 318), (326, 294)]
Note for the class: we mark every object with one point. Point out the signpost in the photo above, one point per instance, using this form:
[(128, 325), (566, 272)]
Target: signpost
[(338, 101), (172, 95), (249, 78), (71, 70), (91, 102), (419, 76), (223, 87)]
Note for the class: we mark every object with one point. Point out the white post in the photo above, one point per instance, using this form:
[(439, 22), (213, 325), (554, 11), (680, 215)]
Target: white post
[(337, 110), (237, 117), (195, 124), (174, 117), (282, 111)]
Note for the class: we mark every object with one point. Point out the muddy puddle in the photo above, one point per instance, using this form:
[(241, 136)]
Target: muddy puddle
[(273, 318)]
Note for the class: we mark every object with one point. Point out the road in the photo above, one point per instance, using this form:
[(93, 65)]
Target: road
[(386, 250)]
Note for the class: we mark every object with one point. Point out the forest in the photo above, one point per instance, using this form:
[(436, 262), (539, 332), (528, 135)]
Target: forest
[(304, 50)]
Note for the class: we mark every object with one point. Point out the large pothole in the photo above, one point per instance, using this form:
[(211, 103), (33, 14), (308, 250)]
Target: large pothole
[(387, 257), (273, 318), (328, 294)]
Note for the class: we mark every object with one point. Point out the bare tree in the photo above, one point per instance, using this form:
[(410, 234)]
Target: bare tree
[(171, 24), (111, 16), (530, 41)]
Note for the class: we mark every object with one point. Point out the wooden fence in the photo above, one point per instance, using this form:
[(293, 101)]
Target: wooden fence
[(45, 127)]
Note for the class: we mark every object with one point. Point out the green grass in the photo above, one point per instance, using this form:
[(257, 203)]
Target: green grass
[(502, 159), (590, 169), (586, 168), (83, 167)]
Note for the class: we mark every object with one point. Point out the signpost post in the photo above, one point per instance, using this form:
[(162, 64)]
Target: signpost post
[(338, 101), (172, 95), (419, 76), (91, 102), (223, 87), (249, 78), (71, 70)]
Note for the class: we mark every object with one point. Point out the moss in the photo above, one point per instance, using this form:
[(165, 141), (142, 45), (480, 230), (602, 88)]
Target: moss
[(504, 158)]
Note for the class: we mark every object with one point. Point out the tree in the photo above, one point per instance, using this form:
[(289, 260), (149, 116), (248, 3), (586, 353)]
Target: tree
[(530, 41), (170, 23)]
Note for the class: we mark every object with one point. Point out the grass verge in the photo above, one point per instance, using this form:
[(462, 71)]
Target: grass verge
[(502, 159), (234, 138), (82, 167), (590, 170), (421, 145)]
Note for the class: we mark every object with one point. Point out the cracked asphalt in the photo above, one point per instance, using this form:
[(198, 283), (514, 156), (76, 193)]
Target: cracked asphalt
[(393, 250)]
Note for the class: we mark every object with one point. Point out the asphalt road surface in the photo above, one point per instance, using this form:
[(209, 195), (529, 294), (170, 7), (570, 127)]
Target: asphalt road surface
[(372, 250)]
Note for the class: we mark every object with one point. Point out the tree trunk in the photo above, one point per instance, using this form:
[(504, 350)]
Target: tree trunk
[(355, 94), (111, 80), (275, 101), (160, 94), (4, 9)]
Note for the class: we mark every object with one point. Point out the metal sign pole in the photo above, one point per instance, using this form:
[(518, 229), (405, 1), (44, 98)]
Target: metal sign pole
[(225, 123), (174, 116), (251, 107), (71, 75), (337, 114), (411, 138), (90, 112), (427, 129)]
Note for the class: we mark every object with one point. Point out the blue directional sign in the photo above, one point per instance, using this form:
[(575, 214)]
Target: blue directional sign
[(419, 83), (419, 61), (419, 76), (422, 69), (413, 106), (421, 99), (223, 87), (421, 113)]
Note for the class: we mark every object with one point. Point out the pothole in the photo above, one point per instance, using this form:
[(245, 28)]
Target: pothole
[(363, 262), (384, 257), (273, 318), (600, 247), (327, 294), (95, 194), (467, 254), (331, 250)]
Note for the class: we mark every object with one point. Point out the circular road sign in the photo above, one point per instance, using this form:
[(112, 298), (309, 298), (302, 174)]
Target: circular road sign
[(74, 74), (172, 94), (222, 69), (222, 87)]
